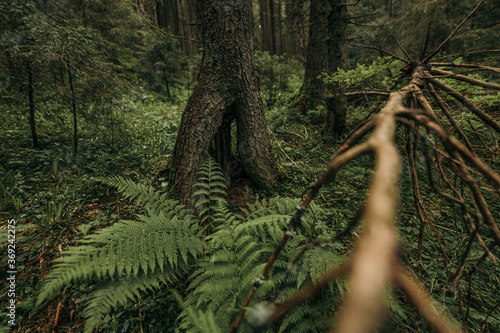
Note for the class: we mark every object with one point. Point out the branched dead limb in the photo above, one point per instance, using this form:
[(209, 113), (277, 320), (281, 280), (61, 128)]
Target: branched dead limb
[(468, 212), (453, 145), (423, 301), (468, 104), (375, 256), (374, 265), (349, 227), (474, 66), (456, 150), (448, 116), (465, 78), (419, 207), (327, 176)]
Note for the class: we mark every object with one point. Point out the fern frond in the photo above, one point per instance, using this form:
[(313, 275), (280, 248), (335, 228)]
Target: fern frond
[(201, 322), (130, 248), (144, 195), (109, 295), (240, 248), (209, 190)]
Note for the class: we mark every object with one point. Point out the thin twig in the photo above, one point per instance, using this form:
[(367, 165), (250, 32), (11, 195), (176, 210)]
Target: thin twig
[(402, 49), (473, 66), (422, 299), (468, 104), (467, 79), (436, 50)]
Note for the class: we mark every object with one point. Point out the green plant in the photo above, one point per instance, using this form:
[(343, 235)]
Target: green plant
[(7, 197), (278, 77), (131, 257), (239, 249), (375, 74)]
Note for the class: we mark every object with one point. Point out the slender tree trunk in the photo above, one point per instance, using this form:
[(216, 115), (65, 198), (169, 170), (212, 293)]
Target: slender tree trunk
[(280, 28), (226, 90), (168, 15), (336, 104), (265, 26), (73, 104), (296, 35), (251, 21), (167, 86), (314, 89), (31, 102), (328, 23), (272, 21)]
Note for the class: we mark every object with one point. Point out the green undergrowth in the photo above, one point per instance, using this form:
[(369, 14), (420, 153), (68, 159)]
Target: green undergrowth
[(63, 211)]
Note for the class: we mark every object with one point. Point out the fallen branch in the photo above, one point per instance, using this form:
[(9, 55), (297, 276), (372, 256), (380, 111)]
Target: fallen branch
[(466, 78), (468, 104), (423, 301), (475, 66)]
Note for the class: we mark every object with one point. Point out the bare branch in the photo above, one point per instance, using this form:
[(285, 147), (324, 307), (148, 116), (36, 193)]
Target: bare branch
[(462, 99), (378, 49), (452, 121), (310, 290), (423, 300), (467, 79), (375, 256), (465, 53), (454, 148), (475, 66), (402, 49), (436, 50), (368, 92)]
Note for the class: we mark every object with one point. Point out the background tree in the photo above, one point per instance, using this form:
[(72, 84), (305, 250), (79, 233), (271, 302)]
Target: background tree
[(226, 91), (328, 22)]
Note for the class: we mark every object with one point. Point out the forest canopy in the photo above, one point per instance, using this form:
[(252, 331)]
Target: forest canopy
[(249, 166)]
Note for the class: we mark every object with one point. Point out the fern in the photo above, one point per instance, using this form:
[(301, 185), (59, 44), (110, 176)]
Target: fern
[(209, 189), (239, 251), (143, 195), (129, 257), (110, 294), (132, 257)]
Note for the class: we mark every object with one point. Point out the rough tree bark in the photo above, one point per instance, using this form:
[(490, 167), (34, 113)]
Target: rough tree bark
[(226, 91)]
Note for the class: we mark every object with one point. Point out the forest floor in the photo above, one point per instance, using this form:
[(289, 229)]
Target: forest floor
[(57, 200)]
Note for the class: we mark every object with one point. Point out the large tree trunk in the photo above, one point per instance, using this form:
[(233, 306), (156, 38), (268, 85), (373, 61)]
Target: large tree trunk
[(226, 90)]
